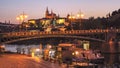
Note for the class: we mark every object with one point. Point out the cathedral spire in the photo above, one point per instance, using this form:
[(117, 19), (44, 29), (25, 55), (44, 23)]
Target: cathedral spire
[(47, 9), (47, 12)]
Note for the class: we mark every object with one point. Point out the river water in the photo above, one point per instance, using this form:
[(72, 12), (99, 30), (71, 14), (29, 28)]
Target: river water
[(110, 58)]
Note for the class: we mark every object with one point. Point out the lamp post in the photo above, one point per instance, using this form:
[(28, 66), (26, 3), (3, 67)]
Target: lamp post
[(80, 15), (76, 55), (71, 18), (21, 18)]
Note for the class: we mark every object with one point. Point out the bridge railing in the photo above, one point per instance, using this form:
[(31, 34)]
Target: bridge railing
[(71, 32)]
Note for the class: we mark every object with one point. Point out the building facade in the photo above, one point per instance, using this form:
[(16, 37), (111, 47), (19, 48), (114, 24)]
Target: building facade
[(50, 15)]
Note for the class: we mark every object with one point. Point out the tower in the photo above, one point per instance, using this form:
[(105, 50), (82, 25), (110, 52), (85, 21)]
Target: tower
[(47, 12), (49, 15)]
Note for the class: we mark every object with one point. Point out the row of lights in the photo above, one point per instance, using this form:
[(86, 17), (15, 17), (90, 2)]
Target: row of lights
[(21, 17), (79, 16)]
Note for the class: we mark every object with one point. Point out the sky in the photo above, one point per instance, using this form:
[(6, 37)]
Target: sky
[(35, 9)]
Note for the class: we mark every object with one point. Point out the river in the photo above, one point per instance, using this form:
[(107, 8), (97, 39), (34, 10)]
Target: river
[(110, 58)]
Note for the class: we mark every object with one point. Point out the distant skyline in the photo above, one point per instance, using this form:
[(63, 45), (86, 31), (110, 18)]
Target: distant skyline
[(35, 9)]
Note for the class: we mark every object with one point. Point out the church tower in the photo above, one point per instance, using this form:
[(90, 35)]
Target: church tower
[(50, 15), (47, 12)]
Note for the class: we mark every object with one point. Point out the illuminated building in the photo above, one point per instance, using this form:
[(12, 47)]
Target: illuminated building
[(51, 20), (50, 15), (32, 22), (45, 22)]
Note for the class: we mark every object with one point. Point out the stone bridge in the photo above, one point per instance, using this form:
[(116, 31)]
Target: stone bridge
[(102, 35)]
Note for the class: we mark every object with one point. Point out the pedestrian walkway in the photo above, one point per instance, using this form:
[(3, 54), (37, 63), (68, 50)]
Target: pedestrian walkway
[(23, 61), (37, 59)]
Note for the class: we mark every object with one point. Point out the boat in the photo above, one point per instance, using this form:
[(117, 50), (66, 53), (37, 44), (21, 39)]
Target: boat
[(90, 56), (85, 65), (98, 58), (80, 55)]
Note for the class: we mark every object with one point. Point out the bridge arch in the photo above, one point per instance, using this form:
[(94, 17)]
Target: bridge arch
[(51, 36)]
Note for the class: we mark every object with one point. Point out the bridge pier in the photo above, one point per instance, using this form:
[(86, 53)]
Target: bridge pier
[(111, 41)]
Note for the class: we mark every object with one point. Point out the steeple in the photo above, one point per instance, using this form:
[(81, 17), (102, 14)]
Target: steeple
[(51, 12), (47, 11)]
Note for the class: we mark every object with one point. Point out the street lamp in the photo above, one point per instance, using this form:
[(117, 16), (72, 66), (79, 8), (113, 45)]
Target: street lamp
[(76, 55), (80, 15), (71, 18), (21, 18)]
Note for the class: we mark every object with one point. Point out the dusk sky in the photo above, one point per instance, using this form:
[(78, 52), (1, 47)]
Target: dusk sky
[(35, 9)]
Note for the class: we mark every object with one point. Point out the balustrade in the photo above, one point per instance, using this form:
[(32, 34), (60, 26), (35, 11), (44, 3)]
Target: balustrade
[(28, 34), (17, 34)]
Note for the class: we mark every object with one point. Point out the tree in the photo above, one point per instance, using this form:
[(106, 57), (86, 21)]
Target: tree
[(119, 11), (114, 13)]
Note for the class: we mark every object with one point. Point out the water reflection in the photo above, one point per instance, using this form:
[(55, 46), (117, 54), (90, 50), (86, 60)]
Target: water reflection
[(110, 52), (112, 58), (13, 48)]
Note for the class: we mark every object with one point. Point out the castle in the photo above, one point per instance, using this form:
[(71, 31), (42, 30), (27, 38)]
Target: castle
[(50, 15)]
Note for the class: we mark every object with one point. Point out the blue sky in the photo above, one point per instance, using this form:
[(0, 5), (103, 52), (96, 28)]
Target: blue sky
[(9, 9)]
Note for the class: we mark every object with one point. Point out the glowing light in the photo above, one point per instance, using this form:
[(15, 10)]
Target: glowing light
[(60, 21), (73, 53), (80, 15), (70, 17), (37, 49), (18, 18), (33, 54), (22, 17), (50, 46), (76, 52), (33, 22), (73, 17)]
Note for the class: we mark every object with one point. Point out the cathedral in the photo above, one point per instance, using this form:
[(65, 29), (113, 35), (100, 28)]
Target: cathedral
[(50, 15)]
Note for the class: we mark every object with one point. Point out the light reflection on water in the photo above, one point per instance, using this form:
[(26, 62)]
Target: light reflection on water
[(13, 48), (113, 53), (112, 58), (109, 58)]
